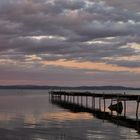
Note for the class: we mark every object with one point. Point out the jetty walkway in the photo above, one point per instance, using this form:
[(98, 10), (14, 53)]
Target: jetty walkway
[(77, 97), (86, 102)]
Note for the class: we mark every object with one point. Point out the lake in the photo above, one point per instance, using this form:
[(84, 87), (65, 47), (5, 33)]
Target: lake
[(29, 115)]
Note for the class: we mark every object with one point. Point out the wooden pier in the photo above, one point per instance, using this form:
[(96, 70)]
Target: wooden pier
[(77, 97), (79, 102)]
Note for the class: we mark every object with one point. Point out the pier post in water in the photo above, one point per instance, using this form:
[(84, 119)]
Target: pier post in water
[(137, 107), (64, 97), (77, 99), (93, 102), (73, 99), (118, 99), (124, 106), (104, 102), (70, 98), (86, 101), (81, 100), (99, 103), (111, 105)]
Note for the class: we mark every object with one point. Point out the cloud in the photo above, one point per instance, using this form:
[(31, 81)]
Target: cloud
[(55, 75), (32, 32)]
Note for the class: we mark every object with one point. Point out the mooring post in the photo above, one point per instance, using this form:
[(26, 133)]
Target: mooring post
[(137, 107)]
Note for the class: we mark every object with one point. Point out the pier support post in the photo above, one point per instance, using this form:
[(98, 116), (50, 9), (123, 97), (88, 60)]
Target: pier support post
[(111, 100), (104, 103), (86, 101), (93, 102), (99, 103), (137, 108), (64, 97), (118, 99), (77, 99), (111, 105), (124, 108), (49, 96), (104, 106), (73, 99), (124, 104), (70, 98), (81, 100)]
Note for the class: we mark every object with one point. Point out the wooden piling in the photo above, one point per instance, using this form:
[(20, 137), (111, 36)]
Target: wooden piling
[(64, 97), (137, 108), (86, 101), (117, 104), (70, 99), (67, 98), (93, 102), (111, 105), (124, 104), (73, 99), (104, 103), (99, 103), (81, 100), (77, 99)]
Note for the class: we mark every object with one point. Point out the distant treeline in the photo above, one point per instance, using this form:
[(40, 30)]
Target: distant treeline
[(68, 88)]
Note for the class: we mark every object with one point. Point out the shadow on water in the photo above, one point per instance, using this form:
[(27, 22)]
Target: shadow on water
[(99, 114)]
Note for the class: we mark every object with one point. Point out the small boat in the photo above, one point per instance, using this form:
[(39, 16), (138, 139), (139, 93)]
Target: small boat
[(118, 107)]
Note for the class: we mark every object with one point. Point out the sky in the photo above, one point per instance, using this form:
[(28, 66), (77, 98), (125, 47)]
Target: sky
[(70, 42)]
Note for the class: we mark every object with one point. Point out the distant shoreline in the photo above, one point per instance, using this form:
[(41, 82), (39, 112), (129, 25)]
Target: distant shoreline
[(68, 88)]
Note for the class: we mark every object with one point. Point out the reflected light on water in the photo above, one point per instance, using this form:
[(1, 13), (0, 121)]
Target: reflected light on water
[(59, 116), (33, 117)]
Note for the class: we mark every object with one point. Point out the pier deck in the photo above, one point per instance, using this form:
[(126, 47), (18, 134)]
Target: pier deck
[(120, 96), (79, 102)]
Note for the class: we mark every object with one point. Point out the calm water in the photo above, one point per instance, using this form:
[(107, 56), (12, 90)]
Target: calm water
[(28, 115)]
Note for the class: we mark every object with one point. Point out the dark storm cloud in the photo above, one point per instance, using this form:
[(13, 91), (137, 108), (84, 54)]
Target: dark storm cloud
[(77, 21)]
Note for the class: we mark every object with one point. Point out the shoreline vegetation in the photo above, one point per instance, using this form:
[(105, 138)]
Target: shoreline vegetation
[(67, 87)]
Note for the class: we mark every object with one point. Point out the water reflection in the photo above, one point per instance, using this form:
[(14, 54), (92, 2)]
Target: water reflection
[(32, 117), (116, 119)]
